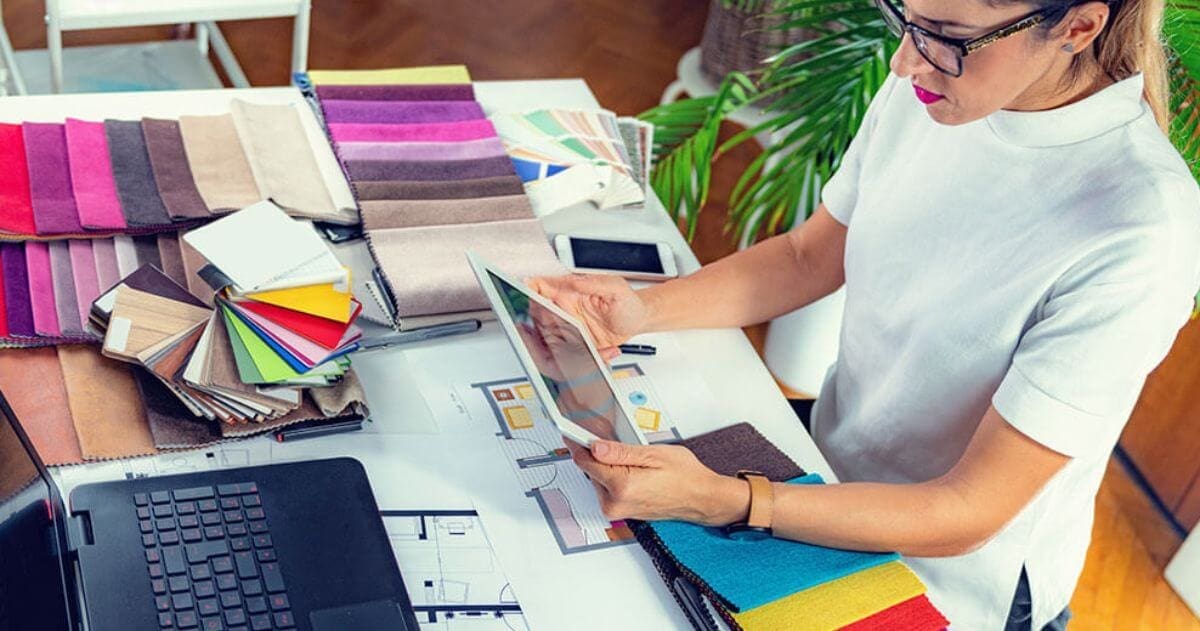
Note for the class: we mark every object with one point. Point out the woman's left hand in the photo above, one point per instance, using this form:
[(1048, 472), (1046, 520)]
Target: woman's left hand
[(660, 482)]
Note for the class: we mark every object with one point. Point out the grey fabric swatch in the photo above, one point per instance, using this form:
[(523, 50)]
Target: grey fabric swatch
[(375, 170), (140, 200), (380, 215), (66, 302)]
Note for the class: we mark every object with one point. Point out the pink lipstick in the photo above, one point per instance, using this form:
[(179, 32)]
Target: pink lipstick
[(925, 96)]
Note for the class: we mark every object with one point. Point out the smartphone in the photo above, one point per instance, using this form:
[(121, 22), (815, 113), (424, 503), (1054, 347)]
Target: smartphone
[(637, 260)]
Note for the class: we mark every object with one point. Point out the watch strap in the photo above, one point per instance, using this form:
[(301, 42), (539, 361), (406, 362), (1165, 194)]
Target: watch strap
[(762, 500)]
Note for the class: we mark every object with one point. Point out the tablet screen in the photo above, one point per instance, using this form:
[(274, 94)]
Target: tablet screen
[(567, 367)]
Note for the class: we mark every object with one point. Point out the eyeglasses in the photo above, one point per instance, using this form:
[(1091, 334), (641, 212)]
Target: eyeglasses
[(947, 53)]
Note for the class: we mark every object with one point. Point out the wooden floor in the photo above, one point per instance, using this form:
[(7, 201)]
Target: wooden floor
[(627, 52)]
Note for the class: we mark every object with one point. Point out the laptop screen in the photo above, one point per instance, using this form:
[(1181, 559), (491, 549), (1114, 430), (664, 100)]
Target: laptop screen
[(33, 593)]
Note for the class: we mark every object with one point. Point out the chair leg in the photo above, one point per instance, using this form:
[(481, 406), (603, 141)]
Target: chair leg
[(54, 46), (10, 59), (300, 37)]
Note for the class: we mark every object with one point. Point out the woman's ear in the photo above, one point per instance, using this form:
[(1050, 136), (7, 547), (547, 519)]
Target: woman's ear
[(1081, 27)]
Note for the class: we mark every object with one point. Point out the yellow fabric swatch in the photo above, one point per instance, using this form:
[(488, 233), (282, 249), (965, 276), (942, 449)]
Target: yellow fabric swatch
[(837, 603), (323, 301), (423, 75)]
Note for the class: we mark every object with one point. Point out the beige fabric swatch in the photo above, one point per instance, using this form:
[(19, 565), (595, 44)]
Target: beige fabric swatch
[(380, 215), (218, 162), (106, 406), (427, 269)]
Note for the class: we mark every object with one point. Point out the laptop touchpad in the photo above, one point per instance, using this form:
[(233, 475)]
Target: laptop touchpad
[(372, 616)]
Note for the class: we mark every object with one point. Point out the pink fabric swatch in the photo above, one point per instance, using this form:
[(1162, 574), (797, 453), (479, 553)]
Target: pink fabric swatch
[(91, 176), (422, 151), (108, 272), (41, 289), (87, 282), (421, 132)]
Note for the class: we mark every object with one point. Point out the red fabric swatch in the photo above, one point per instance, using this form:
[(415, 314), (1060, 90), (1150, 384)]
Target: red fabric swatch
[(16, 205), (914, 614), (325, 332)]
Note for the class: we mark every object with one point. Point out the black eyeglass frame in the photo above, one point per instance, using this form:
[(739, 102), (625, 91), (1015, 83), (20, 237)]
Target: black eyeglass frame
[(965, 46)]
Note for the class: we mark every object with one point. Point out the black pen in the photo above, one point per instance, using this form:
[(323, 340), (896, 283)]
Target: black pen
[(638, 349), (422, 334), (321, 429)]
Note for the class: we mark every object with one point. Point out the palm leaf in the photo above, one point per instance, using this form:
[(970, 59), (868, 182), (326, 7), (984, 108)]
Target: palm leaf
[(1181, 30)]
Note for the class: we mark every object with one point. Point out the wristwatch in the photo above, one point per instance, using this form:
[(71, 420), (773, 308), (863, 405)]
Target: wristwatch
[(762, 507)]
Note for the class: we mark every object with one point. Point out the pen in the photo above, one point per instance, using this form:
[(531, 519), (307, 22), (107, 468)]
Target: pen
[(322, 429), (418, 335), (638, 349)]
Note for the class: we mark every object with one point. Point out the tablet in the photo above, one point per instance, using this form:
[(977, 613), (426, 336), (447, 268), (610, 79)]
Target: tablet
[(572, 382)]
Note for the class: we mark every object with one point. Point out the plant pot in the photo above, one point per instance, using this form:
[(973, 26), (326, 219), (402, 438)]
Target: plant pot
[(801, 345)]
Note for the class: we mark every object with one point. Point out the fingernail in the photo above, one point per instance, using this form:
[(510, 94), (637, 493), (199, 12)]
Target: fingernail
[(600, 448)]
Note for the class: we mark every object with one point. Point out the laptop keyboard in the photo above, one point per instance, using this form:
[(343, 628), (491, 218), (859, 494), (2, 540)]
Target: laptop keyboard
[(211, 560)]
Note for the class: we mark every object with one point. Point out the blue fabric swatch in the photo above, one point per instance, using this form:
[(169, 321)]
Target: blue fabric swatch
[(750, 574)]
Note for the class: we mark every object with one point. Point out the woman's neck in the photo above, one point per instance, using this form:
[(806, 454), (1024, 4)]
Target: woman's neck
[(1060, 87)]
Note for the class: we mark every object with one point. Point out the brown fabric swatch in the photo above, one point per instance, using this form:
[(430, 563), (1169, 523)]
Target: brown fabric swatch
[(379, 215), (172, 425), (218, 162), (345, 397), (106, 406), (337, 402), (172, 175), (193, 262), (172, 257), (459, 189), (737, 447), (32, 381)]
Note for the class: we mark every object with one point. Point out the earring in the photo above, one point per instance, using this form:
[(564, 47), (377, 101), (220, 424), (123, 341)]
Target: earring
[(1069, 47)]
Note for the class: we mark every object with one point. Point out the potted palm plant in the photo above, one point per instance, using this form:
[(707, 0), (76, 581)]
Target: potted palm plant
[(815, 93)]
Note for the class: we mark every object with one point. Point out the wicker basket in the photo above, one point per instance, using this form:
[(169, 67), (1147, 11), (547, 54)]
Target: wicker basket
[(742, 40)]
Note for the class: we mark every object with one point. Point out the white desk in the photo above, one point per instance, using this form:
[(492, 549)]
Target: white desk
[(609, 588)]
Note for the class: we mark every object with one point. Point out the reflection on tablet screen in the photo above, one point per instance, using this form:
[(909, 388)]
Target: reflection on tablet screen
[(567, 367)]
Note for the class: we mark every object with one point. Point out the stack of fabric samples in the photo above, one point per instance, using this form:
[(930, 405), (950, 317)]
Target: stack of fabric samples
[(433, 181), (775, 583), (568, 156), (94, 178)]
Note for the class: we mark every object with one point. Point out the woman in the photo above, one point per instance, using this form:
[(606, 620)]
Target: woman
[(1019, 244)]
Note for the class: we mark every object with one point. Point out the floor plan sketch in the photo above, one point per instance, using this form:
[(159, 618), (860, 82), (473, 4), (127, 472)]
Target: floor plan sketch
[(450, 569), (534, 447)]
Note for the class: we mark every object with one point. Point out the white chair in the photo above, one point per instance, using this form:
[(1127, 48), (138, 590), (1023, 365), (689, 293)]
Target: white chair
[(78, 15), (9, 59)]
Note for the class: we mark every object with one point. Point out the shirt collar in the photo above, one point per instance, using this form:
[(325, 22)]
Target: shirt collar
[(1106, 110)]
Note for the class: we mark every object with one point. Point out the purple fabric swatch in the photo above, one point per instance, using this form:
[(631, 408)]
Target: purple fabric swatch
[(457, 92), (466, 150), (65, 303), (41, 289), (337, 111), (54, 209), (375, 170), (87, 282), (16, 290), (415, 132), (108, 271)]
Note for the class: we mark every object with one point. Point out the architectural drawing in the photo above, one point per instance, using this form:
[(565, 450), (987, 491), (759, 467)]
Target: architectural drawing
[(534, 447), (451, 571)]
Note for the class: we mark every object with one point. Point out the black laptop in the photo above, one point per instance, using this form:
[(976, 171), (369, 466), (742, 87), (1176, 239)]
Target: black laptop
[(289, 546)]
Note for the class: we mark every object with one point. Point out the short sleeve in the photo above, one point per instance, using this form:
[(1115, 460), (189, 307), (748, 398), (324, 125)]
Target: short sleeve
[(1106, 323), (840, 193)]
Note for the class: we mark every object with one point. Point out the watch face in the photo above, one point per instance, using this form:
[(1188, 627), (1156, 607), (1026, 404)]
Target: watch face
[(746, 532)]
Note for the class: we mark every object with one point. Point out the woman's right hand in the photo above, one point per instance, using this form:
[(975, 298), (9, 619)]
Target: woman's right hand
[(612, 311)]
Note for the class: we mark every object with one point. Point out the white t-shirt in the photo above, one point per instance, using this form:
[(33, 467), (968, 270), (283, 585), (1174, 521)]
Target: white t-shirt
[(1042, 262)]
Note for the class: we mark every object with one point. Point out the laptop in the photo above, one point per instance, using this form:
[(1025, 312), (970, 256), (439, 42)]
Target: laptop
[(289, 546)]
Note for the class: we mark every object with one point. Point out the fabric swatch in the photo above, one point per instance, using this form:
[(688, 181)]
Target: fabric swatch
[(86, 280), (447, 284), (461, 189), (16, 205), (218, 162), (3, 308), (146, 247), (741, 447), (170, 256), (172, 175), (17, 303), (452, 170), (914, 614), (413, 92), (466, 150), (108, 272), (837, 603), (419, 132), (281, 159), (106, 407), (381, 215), (50, 179), (193, 262), (418, 75), (337, 111), (140, 201), (172, 425), (92, 181), (41, 289), (127, 258), (65, 302), (750, 575), (32, 382)]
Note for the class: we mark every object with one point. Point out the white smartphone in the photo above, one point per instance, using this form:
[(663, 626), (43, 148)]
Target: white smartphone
[(637, 260)]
